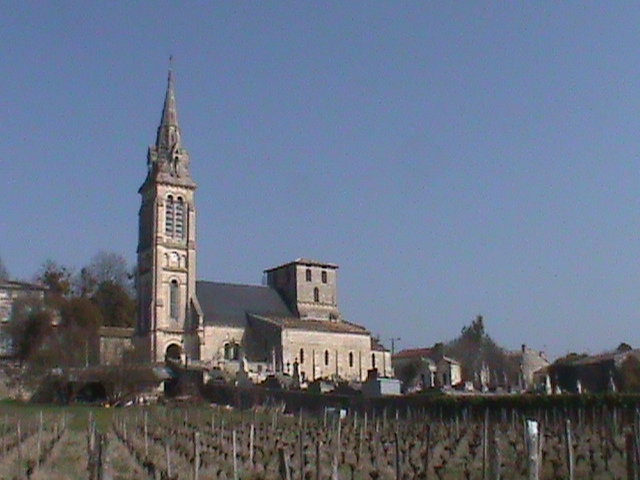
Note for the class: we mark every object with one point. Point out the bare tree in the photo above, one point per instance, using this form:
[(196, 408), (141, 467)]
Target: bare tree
[(110, 267)]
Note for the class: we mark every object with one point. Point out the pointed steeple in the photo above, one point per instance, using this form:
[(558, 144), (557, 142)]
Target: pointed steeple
[(167, 160), (169, 132)]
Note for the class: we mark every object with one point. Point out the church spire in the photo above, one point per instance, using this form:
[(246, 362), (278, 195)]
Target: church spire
[(169, 131), (167, 160)]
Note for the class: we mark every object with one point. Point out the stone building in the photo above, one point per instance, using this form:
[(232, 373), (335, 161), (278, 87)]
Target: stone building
[(291, 325), (422, 368), (10, 293), (530, 361)]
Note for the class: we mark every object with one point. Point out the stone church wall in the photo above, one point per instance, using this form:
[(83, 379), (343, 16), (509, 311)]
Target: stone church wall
[(215, 338), (327, 354)]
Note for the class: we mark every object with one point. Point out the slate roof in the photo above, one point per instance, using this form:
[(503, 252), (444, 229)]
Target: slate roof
[(228, 304), (312, 325)]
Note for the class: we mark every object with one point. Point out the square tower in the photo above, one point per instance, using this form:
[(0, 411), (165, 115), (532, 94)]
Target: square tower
[(308, 287), (168, 322)]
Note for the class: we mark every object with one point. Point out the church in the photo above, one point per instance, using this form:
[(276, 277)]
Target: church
[(291, 325)]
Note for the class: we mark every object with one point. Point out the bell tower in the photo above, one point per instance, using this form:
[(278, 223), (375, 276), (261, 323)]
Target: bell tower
[(168, 322)]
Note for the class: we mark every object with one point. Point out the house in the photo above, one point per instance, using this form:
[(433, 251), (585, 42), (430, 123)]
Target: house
[(529, 362), (591, 373), (12, 292), (415, 368), (421, 368), (448, 372), (291, 325)]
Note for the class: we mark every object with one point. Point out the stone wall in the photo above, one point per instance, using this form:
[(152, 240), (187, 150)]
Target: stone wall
[(214, 340), (327, 354)]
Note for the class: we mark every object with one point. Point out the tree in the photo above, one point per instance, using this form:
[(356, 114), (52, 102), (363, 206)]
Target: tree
[(80, 313), (110, 267), (117, 308), (57, 279), (4, 273), (476, 350), (624, 347), (85, 283), (31, 323)]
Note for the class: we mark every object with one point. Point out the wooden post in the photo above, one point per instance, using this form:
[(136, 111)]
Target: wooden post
[(532, 435), (485, 445), (168, 452), (285, 471), (317, 459), (40, 439), (494, 454), (251, 440), (630, 456), (19, 435), (337, 450), (301, 453), (146, 436), (196, 455), (569, 451), (235, 457), (100, 460), (427, 451), (397, 442)]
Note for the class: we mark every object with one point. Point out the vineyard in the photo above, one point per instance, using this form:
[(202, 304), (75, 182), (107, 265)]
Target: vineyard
[(202, 442)]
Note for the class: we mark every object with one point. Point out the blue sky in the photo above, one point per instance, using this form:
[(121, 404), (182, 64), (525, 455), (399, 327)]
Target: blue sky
[(454, 158)]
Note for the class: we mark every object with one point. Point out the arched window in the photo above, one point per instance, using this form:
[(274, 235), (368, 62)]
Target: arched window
[(316, 295), (301, 356), (179, 221), (373, 360), (326, 357), (168, 217), (350, 359), (324, 276), (308, 274), (231, 351), (174, 299)]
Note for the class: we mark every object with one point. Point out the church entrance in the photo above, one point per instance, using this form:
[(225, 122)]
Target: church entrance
[(172, 357), (173, 352)]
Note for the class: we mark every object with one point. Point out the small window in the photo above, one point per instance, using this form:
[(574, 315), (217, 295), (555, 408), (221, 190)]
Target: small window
[(231, 351), (174, 299), (316, 295), (301, 356), (326, 357), (324, 276), (308, 274), (373, 360), (350, 359)]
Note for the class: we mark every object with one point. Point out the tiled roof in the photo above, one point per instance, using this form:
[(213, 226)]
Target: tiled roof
[(415, 353), (228, 304), (305, 261)]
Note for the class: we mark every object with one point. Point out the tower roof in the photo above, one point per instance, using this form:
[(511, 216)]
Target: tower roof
[(169, 119), (167, 160)]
